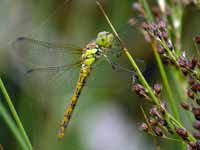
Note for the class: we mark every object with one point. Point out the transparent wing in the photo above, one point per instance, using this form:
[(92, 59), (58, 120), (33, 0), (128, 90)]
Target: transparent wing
[(50, 63), (40, 55)]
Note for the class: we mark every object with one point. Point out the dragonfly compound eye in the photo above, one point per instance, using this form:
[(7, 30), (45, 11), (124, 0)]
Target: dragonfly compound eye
[(105, 39)]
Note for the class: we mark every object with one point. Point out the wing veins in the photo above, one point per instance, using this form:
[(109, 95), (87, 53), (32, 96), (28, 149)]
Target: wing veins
[(54, 68), (52, 47)]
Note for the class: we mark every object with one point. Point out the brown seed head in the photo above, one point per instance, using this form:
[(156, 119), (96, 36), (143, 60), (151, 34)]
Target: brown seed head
[(196, 124), (197, 39), (158, 131), (143, 127), (182, 133), (190, 94), (196, 134), (157, 88), (185, 105), (191, 80)]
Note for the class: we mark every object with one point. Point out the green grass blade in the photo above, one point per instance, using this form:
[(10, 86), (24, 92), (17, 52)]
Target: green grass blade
[(160, 65), (8, 120), (14, 113)]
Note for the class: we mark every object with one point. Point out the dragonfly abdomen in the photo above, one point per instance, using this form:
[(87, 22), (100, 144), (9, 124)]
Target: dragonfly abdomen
[(84, 73)]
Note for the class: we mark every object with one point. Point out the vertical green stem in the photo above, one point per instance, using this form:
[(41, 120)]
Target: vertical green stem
[(166, 83), (149, 16), (15, 115), (12, 126)]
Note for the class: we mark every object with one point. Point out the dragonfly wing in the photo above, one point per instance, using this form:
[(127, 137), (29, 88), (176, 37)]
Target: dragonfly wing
[(44, 55), (49, 63), (47, 46)]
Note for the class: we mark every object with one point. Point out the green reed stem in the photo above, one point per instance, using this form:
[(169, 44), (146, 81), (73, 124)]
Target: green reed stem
[(169, 118), (170, 96), (15, 115), (166, 83), (172, 122), (12, 126), (148, 13)]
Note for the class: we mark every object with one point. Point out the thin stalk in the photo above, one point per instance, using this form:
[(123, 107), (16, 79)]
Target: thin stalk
[(148, 13), (166, 83), (15, 115), (170, 96), (12, 126), (169, 118)]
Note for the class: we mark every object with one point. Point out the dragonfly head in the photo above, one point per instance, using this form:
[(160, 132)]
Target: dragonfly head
[(105, 39)]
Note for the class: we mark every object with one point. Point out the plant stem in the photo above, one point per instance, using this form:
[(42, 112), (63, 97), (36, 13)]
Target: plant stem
[(148, 13), (165, 82), (15, 115), (169, 118), (12, 126), (172, 122), (141, 77), (170, 96)]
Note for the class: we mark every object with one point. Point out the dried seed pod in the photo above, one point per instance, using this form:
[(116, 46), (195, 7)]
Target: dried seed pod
[(190, 94), (196, 135), (182, 62), (191, 80), (197, 39), (198, 144), (158, 131), (196, 124), (160, 49), (196, 112), (154, 112), (145, 26), (182, 133), (165, 35), (169, 44), (192, 145), (192, 63), (163, 107), (153, 122), (184, 71), (157, 88), (162, 25), (195, 87), (143, 127), (141, 91), (185, 105)]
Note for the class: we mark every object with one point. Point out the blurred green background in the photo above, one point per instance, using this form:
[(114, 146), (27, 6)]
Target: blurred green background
[(107, 115)]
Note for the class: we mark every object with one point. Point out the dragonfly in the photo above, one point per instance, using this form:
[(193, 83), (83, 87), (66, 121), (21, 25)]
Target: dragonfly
[(89, 55)]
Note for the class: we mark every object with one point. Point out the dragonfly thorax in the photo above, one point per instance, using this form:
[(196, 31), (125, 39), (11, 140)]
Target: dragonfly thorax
[(91, 54)]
